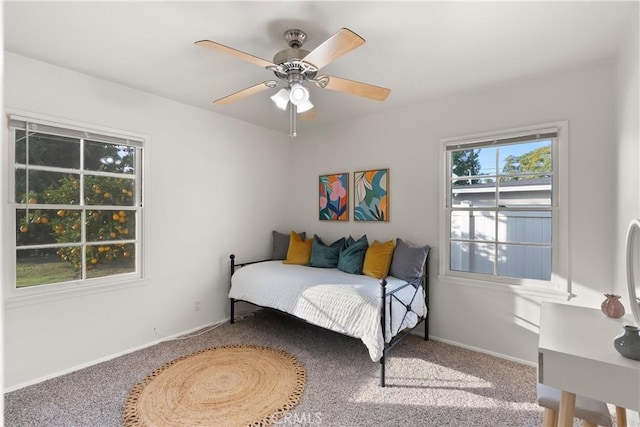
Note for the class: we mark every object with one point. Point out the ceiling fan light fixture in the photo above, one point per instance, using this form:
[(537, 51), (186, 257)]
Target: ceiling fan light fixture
[(281, 99), (304, 106), (298, 94)]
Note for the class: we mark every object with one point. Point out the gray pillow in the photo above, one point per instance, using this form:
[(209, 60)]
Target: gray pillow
[(281, 244), (408, 261)]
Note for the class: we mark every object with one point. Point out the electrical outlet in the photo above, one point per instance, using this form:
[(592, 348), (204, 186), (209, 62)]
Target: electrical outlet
[(197, 306)]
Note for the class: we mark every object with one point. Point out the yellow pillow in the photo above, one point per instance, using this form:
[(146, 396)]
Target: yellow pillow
[(299, 251), (377, 260)]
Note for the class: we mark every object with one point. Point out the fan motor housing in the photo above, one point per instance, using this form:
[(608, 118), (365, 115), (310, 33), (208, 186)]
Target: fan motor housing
[(291, 59), (289, 55)]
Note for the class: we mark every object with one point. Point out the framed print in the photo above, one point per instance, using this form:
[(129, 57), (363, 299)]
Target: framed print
[(333, 199), (371, 202)]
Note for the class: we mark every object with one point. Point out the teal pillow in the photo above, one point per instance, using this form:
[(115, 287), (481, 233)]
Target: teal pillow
[(325, 256), (352, 255)]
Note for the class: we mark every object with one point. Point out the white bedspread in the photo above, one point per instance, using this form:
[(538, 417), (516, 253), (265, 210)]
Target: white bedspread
[(330, 298)]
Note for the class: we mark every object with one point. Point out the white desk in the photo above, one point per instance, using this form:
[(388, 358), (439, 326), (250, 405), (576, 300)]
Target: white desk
[(576, 355)]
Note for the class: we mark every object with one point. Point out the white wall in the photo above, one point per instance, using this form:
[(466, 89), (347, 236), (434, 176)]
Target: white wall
[(407, 142), (628, 149), (628, 156), (189, 251), (207, 198)]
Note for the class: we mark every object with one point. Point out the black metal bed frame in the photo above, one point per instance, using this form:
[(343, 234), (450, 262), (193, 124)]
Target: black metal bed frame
[(397, 337)]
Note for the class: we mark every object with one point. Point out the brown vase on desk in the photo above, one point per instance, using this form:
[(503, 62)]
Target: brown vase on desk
[(612, 307)]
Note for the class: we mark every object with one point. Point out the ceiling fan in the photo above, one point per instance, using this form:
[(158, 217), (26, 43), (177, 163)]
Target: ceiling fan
[(295, 66)]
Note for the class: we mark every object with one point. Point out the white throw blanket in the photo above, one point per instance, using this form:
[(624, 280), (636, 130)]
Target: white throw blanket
[(330, 298)]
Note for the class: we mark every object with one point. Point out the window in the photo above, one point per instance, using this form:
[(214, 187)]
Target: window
[(76, 196), (502, 203)]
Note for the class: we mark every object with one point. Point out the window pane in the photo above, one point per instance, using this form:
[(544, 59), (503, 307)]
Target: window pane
[(525, 190), (43, 266), (67, 225), (48, 150), (21, 147), (472, 257), (473, 162), (108, 260), (526, 157), (21, 186), (48, 187), (99, 156), (525, 227), (466, 193), (110, 225), (47, 226), (487, 160), (473, 225), (526, 262), (102, 190)]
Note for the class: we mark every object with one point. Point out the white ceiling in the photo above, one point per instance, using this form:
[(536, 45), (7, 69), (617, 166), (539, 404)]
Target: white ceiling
[(419, 50)]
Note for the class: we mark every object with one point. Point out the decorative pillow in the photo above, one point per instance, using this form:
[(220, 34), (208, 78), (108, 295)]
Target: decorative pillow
[(281, 244), (299, 250), (378, 259), (408, 261), (325, 256), (352, 255)]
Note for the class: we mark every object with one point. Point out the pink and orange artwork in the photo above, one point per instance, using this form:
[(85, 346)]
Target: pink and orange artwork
[(334, 197)]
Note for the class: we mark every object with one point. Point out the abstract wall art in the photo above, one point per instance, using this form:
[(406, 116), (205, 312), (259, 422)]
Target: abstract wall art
[(371, 195), (334, 197)]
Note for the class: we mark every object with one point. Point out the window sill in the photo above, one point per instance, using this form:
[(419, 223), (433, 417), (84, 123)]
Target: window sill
[(45, 297), (528, 290)]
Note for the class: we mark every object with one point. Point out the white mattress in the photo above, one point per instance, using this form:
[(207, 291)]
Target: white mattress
[(330, 298)]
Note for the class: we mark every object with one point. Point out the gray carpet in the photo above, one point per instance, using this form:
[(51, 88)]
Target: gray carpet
[(428, 383)]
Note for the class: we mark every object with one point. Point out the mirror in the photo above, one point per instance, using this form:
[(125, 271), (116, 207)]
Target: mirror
[(633, 255)]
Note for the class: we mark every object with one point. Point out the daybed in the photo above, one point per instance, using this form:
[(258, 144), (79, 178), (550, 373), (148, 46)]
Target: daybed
[(342, 298)]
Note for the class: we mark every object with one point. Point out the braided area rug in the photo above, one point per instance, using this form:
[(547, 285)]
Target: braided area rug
[(231, 385)]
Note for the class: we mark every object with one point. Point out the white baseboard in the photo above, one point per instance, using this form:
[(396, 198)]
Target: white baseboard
[(482, 350), (107, 358)]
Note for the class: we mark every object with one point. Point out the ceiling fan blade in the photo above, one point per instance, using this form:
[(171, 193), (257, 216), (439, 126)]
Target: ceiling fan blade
[(354, 88), (341, 43), (234, 52), (246, 92)]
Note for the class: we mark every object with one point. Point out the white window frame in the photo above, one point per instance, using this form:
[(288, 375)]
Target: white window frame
[(560, 284), (14, 296)]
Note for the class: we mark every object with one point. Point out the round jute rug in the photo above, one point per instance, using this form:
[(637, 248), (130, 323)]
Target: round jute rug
[(233, 385)]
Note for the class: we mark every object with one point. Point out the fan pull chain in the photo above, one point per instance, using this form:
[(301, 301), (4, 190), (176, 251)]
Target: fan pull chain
[(292, 120)]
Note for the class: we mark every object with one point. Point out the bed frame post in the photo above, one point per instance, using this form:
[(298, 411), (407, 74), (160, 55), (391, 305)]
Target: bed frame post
[(231, 300), (383, 315), (425, 286)]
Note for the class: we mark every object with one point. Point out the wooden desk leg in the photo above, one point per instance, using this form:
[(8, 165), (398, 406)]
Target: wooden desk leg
[(621, 416), (549, 418), (567, 407)]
